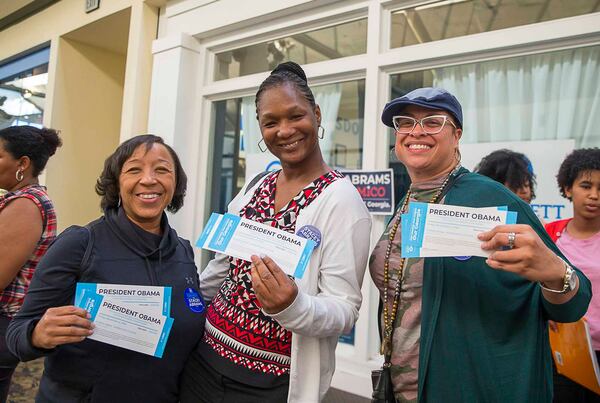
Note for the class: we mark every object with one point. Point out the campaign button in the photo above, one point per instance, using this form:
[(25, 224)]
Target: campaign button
[(193, 300), (310, 232)]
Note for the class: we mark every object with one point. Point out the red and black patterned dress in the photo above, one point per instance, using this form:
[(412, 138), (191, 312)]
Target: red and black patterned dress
[(245, 340)]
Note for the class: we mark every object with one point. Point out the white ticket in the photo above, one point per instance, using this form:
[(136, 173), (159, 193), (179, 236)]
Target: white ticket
[(430, 230), (152, 297), (241, 238)]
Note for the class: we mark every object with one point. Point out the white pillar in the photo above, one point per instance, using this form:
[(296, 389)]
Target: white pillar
[(354, 365), (174, 112)]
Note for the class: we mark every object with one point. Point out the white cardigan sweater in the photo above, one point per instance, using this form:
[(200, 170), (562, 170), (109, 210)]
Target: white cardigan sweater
[(329, 294)]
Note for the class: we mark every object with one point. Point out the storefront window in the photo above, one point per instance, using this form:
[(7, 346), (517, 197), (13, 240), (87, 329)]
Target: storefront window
[(23, 90), (237, 135), (548, 96), (342, 40), (452, 18), (513, 102)]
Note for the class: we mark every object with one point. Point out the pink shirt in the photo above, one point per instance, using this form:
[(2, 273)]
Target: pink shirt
[(585, 255)]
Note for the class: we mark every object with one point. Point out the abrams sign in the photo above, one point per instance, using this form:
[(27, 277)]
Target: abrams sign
[(376, 189)]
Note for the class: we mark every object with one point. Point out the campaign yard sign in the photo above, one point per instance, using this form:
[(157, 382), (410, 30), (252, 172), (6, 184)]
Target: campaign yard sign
[(376, 189)]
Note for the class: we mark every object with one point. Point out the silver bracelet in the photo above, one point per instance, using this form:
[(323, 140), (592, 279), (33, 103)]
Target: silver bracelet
[(570, 280)]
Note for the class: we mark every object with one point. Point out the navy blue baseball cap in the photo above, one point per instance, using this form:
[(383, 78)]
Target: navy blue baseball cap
[(428, 97)]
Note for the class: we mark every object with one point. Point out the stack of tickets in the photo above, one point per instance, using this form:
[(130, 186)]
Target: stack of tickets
[(134, 317)]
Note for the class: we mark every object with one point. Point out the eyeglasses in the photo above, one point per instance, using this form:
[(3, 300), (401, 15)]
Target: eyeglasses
[(430, 124)]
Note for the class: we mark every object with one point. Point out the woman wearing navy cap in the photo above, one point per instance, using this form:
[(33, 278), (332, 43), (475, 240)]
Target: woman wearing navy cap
[(467, 329)]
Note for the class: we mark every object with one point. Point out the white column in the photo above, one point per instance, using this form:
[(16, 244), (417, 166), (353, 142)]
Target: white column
[(174, 112), (353, 368)]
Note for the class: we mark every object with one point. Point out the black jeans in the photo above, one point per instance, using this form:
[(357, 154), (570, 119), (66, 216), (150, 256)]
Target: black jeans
[(202, 384), (567, 391), (8, 362)]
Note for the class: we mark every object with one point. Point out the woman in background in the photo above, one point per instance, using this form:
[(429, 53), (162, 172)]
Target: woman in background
[(27, 224), (512, 169), (579, 239)]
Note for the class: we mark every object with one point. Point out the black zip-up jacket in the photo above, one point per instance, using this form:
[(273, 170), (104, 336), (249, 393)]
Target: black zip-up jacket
[(122, 253)]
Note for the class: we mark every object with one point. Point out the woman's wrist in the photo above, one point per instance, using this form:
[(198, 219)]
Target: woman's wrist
[(35, 337), (565, 283)]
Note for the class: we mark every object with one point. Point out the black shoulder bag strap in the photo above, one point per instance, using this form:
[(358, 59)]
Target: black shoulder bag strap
[(85, 260), (255, 180), (383, 389)]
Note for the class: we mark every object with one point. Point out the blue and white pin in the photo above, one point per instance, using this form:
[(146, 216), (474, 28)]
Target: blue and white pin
[(310, 232), (194, 300)]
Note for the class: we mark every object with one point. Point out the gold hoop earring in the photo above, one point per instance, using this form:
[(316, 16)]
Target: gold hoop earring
[(19, 175), (260, 147)]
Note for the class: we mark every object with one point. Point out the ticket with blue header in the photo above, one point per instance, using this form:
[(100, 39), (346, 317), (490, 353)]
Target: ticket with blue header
[(437, 230), (152, 297), (133, 317), (241, 238)]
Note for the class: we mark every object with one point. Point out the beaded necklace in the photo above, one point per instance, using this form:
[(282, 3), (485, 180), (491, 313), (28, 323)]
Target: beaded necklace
[(388, 320)]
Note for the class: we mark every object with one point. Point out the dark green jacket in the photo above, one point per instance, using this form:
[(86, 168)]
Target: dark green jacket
[(484, 334)]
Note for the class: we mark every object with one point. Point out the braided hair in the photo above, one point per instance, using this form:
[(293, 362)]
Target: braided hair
[(286, 73)]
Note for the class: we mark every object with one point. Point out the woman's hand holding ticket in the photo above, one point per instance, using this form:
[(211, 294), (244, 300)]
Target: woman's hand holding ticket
[(274, 289), (62, 325), (526, 256)]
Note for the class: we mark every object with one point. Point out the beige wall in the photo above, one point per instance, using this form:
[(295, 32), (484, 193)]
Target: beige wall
[(88, 91), (57, 20), (98, 89)]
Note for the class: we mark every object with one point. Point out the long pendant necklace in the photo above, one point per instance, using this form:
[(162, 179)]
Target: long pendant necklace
[(388, 320)]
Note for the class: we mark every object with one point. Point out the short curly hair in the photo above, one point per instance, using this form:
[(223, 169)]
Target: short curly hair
[(509, 168), (107, 185), (576, 163)]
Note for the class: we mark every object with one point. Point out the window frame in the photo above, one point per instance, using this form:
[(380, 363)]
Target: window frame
[(376, 67)]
